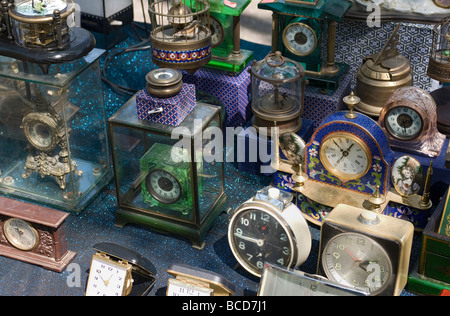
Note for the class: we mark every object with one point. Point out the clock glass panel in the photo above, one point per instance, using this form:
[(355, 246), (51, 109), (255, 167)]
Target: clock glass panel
[(403, 123), (163, 186), (257, 237), (345, 156), (358, 261)]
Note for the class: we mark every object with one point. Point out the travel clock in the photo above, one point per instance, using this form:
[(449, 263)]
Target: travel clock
[(269, 228), (119, 271), (298, 33), (410, 121), (365, 250)]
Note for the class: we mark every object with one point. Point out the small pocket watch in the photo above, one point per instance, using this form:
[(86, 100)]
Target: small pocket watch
[(365, 250), (269, 228)]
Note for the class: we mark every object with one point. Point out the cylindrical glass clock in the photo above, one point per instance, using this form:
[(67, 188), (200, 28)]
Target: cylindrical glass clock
[(278, 86)]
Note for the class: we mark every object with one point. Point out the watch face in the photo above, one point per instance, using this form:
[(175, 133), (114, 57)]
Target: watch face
[(217, 32), (403, 123), (345, 156), (358, 261), (257, 236), (41, 130), (300, 39), (20, 234), (108, 278), (163, 186)]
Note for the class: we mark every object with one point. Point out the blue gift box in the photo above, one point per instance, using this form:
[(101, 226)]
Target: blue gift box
[(231, 90), (170, 111)]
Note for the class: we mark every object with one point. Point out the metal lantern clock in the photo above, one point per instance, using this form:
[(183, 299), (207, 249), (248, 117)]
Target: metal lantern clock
[(180, 35)]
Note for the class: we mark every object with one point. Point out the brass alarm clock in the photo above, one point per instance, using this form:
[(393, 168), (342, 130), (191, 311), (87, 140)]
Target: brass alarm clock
[(365, 250)]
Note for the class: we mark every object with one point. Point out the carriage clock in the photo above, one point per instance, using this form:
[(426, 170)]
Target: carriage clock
[(298, 32), (410, 121), (348, 160), (225, 36), (365, 250)]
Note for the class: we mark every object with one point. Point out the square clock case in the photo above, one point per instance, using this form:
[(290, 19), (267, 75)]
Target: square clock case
[(168, 188)]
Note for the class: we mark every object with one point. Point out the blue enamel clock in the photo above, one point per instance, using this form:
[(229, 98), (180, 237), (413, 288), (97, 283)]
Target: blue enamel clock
[(351, 154)]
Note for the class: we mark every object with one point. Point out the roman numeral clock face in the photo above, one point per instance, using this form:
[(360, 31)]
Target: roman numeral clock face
[(345, 156)]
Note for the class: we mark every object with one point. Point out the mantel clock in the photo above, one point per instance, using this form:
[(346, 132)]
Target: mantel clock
[(225, 19), (298, 33), (34, 234)]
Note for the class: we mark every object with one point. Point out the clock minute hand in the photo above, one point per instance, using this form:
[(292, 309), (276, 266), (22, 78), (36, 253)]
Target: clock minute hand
[(259, 242)]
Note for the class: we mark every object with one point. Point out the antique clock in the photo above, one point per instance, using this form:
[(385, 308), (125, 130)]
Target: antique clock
[(365, 250), (298, 33), (410, 121), (34, 234), (269, 228), (119, 271), (225, 36)]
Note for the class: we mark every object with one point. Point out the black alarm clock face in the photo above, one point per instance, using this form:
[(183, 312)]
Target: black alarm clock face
[(300, 39), (255, 236), (403, 123), (163, 186)]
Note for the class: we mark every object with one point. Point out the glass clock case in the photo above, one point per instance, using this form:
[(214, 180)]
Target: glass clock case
[(166, 176), (53, 132)]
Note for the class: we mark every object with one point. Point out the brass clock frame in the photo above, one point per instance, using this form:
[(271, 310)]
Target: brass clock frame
[(341, 175), (289, 46)]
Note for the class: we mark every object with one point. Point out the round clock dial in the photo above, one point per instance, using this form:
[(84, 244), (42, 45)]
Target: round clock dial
[(41, 130), (403, 123), (20, 234), (345, 156), (256, 235), (300, 39), (358, 261), (163, 186), (217, 32)]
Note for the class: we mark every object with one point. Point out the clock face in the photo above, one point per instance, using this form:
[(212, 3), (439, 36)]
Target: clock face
[(345, 156), (403, 123), (163, 186), (257, 236), (217, 32), (358, 261), (107, 278), (20, 234), (300, 39)]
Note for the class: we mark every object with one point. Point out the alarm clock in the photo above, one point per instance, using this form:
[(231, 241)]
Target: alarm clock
[(365, 250), (119, 271), (410, 121), (269, 228)]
